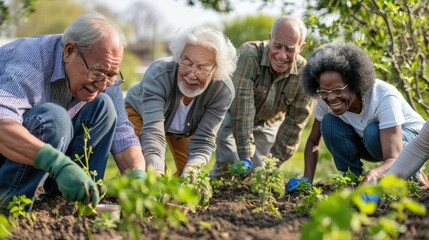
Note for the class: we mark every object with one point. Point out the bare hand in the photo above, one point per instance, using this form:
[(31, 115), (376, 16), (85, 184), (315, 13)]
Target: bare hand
[(373, 175)]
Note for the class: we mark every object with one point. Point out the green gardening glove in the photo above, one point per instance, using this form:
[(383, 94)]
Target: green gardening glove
[(71, 179), (137, 174)]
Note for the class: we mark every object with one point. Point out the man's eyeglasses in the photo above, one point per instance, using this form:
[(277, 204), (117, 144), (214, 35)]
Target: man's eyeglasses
[(98, 76), (202, 71), (337, 92)]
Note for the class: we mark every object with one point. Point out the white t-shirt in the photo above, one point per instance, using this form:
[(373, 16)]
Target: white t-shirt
[(384, 104), (178, 124)]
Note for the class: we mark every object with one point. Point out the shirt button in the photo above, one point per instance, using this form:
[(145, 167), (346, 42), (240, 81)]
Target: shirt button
[(188, 124)]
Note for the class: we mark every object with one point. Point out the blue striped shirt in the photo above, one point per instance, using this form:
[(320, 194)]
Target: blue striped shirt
[(27, 68)]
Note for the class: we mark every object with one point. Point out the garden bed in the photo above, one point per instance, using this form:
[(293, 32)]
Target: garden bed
[(228, 216)]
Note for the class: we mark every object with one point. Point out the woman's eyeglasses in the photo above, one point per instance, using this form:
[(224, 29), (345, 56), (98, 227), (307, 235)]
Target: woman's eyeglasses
[(337, 92)]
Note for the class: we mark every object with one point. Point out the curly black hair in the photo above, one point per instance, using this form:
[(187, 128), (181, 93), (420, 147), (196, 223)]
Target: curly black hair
[(354, 65)]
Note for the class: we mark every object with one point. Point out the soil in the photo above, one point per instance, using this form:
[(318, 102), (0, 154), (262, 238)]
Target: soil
[(230, 216)]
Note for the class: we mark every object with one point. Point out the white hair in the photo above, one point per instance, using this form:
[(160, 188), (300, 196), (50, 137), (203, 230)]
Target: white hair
[(212, 39), (291, 19)]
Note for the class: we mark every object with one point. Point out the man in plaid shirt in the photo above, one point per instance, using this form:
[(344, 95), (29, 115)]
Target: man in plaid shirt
[(270, 108)]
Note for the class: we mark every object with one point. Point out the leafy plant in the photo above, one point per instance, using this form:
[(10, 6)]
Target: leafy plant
[(85, 210), (236, 171), (348, 179), (105, 221), (265, 182), (5, 227), (413, 188), (200, 182), (17, 207), (304, 186), (149, 200), (312, 198), (344, 214)]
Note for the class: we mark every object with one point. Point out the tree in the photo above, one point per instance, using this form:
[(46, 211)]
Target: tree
[(394, 33), (249, 28), (55, 16), (18, 9), (52, 17)]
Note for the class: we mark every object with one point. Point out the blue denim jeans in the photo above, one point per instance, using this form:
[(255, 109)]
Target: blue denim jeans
[(52, 124), (348, 148)]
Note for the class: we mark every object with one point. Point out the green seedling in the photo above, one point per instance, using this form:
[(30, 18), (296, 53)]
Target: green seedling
[(18, 207), (312, 198), (150, 200), (344, 214), (5, 227), (349, 179), (265, 181), (304, 187), (237, 172), (85, 210), (200, 182), (105, 222), (413, 188)]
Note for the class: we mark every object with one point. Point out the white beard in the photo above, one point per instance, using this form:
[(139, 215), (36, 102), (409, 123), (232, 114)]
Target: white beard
[(188, 92)]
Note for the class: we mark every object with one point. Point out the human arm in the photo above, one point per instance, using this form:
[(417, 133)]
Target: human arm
[(207, 115), (243, 106), (390, 114), (311, 151), (413, 156), (11, 133), (391, 146), (71, 179), (311, 154), (129, 159), (157, 90)]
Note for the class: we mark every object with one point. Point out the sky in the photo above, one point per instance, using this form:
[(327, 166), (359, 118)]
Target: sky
[(176, 13)]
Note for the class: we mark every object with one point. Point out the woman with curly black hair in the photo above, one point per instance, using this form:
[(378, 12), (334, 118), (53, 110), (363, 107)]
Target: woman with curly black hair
[(359, 116)]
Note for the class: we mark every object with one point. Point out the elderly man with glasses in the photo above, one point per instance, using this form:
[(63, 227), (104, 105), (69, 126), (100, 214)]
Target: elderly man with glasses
[(358, 116), (270, 109), (182, 100), (51, 87)]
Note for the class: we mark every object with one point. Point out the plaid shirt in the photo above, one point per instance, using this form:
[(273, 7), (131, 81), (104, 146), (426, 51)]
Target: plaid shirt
[(260, 96)]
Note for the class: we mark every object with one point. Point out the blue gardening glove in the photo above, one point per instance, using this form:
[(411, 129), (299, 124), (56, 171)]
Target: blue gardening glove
[(137, 174), (293, 183), (367, 198), (71, 179), (246, 165)]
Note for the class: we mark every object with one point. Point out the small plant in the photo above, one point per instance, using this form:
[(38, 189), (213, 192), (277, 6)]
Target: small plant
[(105, 222), (17, 207), (200, 182), (238, 172), (5, 227), (85, 210), (265, 182), (345, 180), (413, 188), (312, 198), (304, 186), (149, 200), (217, 182), (344, 214)]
